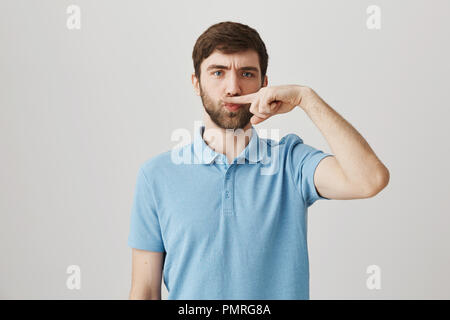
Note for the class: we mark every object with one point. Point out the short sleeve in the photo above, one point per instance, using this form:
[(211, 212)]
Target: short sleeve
[(303, 160), (145, 231)]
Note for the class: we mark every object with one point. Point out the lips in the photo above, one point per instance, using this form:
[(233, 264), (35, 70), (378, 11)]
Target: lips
[(232, 106)]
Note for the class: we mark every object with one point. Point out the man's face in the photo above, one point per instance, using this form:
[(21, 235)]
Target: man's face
[(229, 75)]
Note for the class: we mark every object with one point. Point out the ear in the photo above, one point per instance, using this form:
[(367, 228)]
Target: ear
[(195, 83), (265, 81)]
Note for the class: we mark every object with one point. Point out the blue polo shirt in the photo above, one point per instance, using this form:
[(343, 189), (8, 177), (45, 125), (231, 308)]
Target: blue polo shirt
[(230, 231)]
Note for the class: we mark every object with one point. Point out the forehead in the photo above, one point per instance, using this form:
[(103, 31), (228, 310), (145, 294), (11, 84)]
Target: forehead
[(248, 58)]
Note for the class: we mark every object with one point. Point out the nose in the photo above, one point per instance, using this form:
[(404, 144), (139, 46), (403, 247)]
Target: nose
[(233, 86)]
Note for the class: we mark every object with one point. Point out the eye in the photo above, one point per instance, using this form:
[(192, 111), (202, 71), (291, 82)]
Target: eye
[(216, 71), (251, 74)]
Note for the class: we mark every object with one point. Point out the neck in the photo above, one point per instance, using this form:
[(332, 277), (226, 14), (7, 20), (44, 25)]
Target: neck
[(226, 141)]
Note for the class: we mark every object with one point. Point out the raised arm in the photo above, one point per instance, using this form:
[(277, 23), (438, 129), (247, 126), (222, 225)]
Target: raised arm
[(355, 171)]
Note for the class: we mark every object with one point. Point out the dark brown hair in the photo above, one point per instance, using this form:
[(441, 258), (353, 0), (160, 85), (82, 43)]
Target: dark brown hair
[(229, 37)]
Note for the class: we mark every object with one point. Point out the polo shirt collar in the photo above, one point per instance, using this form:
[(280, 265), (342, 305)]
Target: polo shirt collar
[(206, 155)]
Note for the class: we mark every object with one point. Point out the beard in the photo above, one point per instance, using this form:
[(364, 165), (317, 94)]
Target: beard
[(224, 118)]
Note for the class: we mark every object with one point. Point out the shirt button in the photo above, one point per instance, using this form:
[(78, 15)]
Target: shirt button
[(227, 195)]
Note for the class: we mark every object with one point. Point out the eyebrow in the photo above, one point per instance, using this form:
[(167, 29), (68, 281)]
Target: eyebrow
[(219, 66)]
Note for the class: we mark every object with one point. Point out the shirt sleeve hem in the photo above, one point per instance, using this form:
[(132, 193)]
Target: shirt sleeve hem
[(314, 163), (146, 246)]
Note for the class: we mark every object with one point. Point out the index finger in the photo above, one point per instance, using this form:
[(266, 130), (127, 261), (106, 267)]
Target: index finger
[(248, 98)]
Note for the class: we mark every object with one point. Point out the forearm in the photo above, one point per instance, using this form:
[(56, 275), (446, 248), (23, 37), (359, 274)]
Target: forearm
[(358, 161)]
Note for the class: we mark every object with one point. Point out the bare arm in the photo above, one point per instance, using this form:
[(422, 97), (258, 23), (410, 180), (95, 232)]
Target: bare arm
[(355, 171), (147, 269)]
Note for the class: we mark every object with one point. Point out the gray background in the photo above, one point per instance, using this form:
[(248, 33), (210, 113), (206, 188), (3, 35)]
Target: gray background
[(82, 109)]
